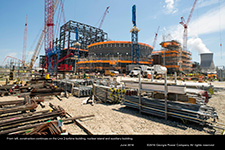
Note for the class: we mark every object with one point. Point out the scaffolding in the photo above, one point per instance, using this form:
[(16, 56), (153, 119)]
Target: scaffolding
[(173, 57), (113, 55)]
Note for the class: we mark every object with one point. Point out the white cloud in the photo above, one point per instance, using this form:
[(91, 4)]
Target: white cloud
[(170, 8), (195, 43), (205, 3), (210, 22)]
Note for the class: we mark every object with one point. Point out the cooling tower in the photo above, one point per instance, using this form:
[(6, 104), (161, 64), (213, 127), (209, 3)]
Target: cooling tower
[(207, 64)]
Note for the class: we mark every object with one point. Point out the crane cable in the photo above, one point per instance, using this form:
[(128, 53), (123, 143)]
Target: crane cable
[(220, 35)]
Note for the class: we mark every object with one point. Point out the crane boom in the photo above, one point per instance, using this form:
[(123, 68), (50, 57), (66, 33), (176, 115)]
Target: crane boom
[(37, 49), (185, 25), (13, 58), (156, 35), (193, 7), (103, 18), (25, 42)]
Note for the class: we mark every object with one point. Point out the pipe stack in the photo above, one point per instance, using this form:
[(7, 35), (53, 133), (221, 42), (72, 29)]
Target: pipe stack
[(191, 112)]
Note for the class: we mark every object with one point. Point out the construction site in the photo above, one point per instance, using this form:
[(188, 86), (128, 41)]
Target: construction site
[(86, 84)]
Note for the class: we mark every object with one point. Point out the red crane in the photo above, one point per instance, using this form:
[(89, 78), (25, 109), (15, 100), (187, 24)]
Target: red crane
[(185, 25), (156, 34), (103, 18), (49, 26), (24, 42), (13, 58)]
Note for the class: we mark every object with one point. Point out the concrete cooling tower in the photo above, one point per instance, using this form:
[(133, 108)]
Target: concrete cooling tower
[(207, 64)]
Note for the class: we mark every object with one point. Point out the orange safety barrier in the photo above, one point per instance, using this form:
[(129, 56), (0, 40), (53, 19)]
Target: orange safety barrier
[(114, 42), (113, 62), (74, 48), (173, 51)]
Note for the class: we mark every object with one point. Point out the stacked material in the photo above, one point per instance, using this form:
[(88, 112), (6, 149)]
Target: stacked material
[(49, 128), (191, 112), (107, 94), (9, 89), (9, 123), (175, 92), (78, 87), (82, 91)]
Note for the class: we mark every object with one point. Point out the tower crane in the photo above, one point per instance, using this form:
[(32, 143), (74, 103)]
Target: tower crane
[(103, 18), (134, 38), (185, 25)]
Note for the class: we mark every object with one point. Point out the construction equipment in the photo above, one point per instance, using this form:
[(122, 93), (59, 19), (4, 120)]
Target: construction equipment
[(185, 25), (103, 18), (134, 38), (37, 50), (25, 42), (111, 73), (41, 38), (13, 58)]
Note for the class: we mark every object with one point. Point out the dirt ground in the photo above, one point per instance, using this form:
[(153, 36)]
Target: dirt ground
[(119, 119)]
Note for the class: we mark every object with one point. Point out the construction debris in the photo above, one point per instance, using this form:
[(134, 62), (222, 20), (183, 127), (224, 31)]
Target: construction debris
[(49, 128)]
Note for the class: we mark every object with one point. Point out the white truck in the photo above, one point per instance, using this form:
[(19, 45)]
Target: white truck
[(135, 72), (149, 70), (139, 69), (145, 70), (158, 69)]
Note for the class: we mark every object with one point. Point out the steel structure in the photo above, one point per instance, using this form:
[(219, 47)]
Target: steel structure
[(49, 25), (49, 33), (87, 35), (69, 39), (134, 38)]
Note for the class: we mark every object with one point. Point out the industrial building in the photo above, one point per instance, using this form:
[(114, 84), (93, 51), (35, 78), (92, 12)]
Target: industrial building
[(173, 57), (66, 50), (113, 55), (207, 64), (94, 53)]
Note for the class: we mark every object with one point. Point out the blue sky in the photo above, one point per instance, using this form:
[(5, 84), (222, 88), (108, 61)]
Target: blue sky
[(206, 25)]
